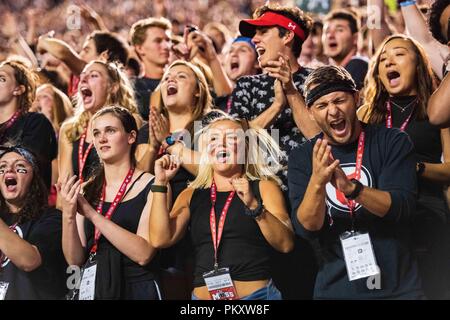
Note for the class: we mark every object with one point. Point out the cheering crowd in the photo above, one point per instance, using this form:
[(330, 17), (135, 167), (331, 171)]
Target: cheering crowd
[(185, 150)]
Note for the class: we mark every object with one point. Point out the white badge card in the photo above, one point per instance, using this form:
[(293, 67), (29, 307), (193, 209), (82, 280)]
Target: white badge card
[(3, 289), (220, 285), (87, 285), (359, 256)]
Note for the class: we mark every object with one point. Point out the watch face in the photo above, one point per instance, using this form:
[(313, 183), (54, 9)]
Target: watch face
[(170, 140)]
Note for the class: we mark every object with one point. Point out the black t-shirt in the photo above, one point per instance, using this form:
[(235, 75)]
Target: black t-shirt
[(388, 165), (48, 280), (143, 88), (357, 67), (254, 94), (34, 131)]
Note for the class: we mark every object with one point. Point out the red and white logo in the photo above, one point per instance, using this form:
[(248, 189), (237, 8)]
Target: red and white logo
[(291, 26), (336, 199)]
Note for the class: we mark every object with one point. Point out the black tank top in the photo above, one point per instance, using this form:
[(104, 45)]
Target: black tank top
[(114, 268), (92, 160), (243, 247)]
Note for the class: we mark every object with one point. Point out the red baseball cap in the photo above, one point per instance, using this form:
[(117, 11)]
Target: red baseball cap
[(247, 27)]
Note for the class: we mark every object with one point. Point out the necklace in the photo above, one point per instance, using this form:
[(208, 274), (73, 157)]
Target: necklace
[(402, 109)]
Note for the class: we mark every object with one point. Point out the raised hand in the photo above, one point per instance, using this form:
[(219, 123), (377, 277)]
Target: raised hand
[(281, 70), (84, 208), (165, 169), (199, 43), (9, 26), (68, 190), (159, 124), (341, 182), (280, 97), (244, 192), (322, 163)]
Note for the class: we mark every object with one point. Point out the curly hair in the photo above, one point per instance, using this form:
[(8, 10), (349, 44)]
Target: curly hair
[(26, 78), (376, 94), (124, 97), (293, 13), (36, 199), (436, 10)]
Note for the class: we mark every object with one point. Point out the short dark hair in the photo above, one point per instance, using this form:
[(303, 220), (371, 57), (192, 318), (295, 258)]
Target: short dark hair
[(293, 13), (106, 41), (327, 74), (345, 14), (436, 10)]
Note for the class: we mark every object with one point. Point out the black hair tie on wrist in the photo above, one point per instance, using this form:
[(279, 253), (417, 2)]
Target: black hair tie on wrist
[(256, 212)]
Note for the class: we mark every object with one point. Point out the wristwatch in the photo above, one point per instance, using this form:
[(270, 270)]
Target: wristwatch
[(357, 191), (167, 142), (420, 168)]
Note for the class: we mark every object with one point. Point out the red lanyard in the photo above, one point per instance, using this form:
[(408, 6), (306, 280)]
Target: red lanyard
[(217, 235), (113, 206), (82, 155), (389, 118), (10, 122), (359, 158)]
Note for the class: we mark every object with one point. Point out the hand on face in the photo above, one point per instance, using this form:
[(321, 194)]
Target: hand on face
[(199, 43), (165, 169), (323, 164), (244, 192), (68, 190)]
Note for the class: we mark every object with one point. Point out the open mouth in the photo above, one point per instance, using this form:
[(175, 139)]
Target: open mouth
[(260, 51), (11, 184), (338, 126), (86, 94), (393, 77), (222, 156), (104, 148), (172, 90), (234, 66), (332, 45)]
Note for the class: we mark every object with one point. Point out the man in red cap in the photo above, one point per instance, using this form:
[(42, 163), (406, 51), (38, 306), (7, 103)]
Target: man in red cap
[(273, 100)]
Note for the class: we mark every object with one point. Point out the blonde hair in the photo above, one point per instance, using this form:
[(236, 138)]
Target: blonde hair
[(139, 28), (62, 107), (256, 164), (204, 99), (124, 96)]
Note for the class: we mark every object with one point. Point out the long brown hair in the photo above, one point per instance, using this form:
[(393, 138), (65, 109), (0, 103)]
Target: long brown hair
[(27, 79), (93, 187), (376, 95)]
